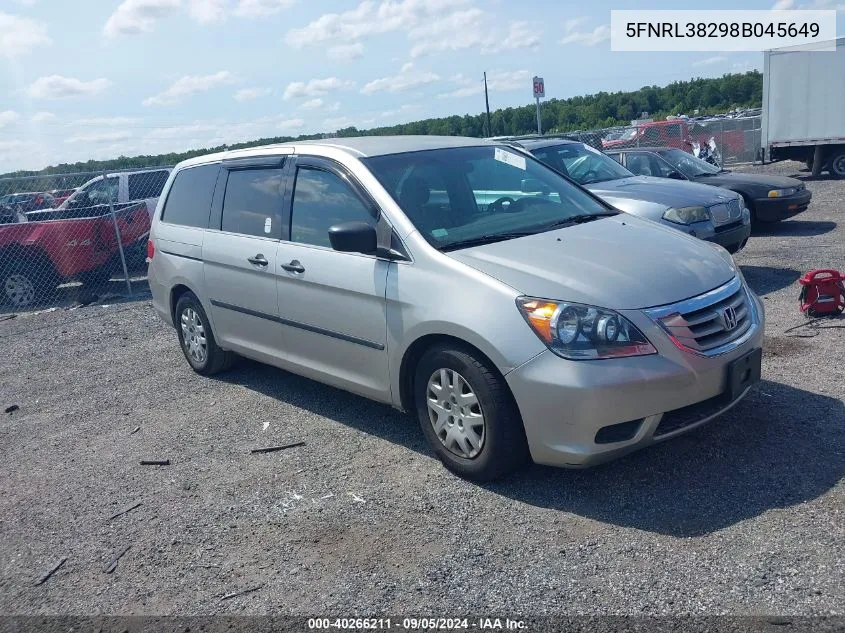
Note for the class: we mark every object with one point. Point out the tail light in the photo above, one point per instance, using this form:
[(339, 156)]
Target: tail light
[(151, 250)]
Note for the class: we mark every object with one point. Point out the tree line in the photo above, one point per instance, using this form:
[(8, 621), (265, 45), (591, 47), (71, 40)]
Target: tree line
[(604, 109)]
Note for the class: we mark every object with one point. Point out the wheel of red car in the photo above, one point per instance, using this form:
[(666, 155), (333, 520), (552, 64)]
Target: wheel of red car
[(24, 284)]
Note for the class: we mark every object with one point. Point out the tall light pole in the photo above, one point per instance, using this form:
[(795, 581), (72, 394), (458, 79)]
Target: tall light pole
[(487, 103)]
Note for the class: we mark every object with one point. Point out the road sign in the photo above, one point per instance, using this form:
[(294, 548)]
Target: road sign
[(539, 87)]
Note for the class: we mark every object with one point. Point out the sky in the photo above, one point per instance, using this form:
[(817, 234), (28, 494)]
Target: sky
[(103, 78)]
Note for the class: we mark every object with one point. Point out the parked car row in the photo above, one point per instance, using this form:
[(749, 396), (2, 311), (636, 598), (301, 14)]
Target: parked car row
[(518, 314)]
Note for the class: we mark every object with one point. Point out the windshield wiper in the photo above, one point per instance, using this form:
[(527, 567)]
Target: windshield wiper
[(579, 219), (486, 239)]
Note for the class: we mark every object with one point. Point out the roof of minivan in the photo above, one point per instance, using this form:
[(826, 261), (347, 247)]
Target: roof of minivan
[(360, 146)]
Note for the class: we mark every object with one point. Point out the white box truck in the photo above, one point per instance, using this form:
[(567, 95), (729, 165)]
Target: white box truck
[(804, 107)]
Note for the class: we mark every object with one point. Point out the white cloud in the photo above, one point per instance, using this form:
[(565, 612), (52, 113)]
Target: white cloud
[(408, 78), (290, 124), (710, 61), (112, 121), (316, 87), (497, 81), (337, 123), (26, 3), (346, 52), (260, 8), (7, 147), (42, 117), (589, 38), (58, 87), (188, 85), (432, 26), (250, 94), (573, 23), (207, 11), (138, 16), (312, 104), (8, 117), (20, 35), (103, 137)]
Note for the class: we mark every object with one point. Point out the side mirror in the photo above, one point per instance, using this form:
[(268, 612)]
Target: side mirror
[(532, 185), (676, 175), (353, 237)]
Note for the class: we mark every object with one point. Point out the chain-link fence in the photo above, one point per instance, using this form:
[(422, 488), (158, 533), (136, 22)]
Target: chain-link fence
[(67, 238), (722, 141)]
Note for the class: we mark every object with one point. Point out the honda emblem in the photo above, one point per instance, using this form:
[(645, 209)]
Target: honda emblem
[(729, 318)]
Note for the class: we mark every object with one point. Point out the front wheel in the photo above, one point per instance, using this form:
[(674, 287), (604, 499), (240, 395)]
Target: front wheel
[(196, 338), (468, 414)]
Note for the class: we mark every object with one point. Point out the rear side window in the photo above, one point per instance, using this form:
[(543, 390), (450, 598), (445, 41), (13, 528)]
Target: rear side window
[(147, 184), (674, 131), (189, 200), (253, 202)]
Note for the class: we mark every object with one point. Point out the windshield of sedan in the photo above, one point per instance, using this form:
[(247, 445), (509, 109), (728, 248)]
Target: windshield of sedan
[(465, 196), (689, 165), (581, 162)]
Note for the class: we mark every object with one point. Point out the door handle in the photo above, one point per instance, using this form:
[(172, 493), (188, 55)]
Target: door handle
[(258, 260), (294, 267)]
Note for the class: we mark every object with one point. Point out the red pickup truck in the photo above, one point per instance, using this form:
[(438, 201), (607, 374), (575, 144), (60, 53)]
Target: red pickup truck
[(42, 249), (680, 134)]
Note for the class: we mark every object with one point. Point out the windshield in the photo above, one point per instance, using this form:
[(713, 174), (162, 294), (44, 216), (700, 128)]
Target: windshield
[(465, 194), (582, 163), (689, 165)]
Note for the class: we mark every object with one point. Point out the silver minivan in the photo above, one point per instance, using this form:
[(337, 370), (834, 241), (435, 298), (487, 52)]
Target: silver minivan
[(541, 325)]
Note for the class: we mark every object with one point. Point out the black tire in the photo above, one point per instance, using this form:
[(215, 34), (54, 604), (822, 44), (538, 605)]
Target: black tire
[(504, 448), (215, 359), (25, 283), (97, 278), (836, 164)]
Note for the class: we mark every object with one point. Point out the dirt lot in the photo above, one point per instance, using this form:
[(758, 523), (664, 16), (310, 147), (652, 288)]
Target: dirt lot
[(744, 516)]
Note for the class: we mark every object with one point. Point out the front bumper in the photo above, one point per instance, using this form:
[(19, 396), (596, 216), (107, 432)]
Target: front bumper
[(775, 209), (567, 406)]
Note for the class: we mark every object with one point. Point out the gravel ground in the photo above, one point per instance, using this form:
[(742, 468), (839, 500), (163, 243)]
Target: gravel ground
[(745, 516)]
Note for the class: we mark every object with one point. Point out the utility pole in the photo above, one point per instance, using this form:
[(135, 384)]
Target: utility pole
[(487, 103)]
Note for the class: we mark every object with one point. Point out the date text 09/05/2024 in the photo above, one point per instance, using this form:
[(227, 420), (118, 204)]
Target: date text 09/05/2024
[(722, 29), (417, 624)]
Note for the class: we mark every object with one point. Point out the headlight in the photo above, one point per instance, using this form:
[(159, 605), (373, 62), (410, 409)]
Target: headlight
[(582, 332), (687, 215), (782, 193)]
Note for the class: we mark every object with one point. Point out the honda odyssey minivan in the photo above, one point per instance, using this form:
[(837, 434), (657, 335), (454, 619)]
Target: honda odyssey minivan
[(540, 325)]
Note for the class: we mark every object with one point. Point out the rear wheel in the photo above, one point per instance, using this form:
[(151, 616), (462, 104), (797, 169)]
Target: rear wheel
[(196, 338), (468, 414), (836, 166)]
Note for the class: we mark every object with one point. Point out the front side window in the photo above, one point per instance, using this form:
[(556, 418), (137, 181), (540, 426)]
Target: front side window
[(582, 163), (253, 202), (652, 134), (459, 197), (103, 191), (322, 199)]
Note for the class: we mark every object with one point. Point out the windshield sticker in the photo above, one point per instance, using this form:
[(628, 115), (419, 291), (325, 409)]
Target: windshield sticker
[(439, 232), (514, 160), (268, 225)]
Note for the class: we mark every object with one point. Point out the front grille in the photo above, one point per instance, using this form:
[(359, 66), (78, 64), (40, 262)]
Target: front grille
[(707, 323), (727, 212)]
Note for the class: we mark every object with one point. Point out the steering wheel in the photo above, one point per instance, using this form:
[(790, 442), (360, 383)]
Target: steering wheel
[(498, 206)]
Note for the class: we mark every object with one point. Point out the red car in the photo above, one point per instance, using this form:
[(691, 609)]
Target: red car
[(43, 249), (680, 134)]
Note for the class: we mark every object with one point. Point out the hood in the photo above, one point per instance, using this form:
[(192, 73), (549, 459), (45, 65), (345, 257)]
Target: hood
[(619, 262), (672, 193), (731, 179)]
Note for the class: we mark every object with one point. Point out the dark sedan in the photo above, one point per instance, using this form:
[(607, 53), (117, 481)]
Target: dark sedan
[(770, 198)]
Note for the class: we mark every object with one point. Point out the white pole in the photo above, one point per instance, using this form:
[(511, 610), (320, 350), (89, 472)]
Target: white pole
[(539, 125)]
